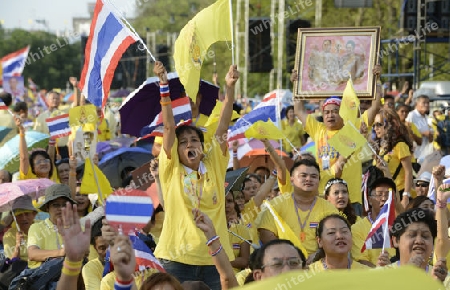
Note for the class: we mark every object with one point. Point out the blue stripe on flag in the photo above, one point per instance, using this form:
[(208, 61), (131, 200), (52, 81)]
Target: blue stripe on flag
[(129, 209), (17, 64), (105, 37), (58, 126)]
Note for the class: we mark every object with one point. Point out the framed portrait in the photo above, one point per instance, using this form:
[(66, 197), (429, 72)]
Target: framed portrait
[(84, 145), (327, 57)]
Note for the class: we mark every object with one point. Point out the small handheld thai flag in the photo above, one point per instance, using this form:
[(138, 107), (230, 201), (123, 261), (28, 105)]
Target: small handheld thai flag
[(58, 126), (129, 209), (181, 112), (41, 101), (3, 106), (144, 256), (378, 237)]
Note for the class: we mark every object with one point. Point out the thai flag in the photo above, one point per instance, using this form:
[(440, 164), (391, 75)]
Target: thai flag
[(378, 237), (144, 256), (181, 112), (31, 85), (108, 40), (3, 106), (267, 109), (58, 126), (14, 63), (41, 101)]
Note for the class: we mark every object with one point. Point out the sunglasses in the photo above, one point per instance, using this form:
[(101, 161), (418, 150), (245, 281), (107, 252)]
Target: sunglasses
[(422, 184), (378, 124)]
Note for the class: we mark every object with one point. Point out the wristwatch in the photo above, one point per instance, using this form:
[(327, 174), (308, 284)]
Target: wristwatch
[(405, 193)]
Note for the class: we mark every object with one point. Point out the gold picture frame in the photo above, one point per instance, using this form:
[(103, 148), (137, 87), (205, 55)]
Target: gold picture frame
[(326, 57)]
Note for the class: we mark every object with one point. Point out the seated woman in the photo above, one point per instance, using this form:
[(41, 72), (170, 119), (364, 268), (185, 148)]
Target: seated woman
[(44, 240), (336, 192), (334, 237), (38, 164)]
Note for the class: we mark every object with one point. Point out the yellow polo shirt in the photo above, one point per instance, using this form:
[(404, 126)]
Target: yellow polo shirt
[(360, 230), (235, 242), (352, 172), (318, 267), (293, 133), (45, 236), (285, 207), (181, 241), (31, 175), (92, 274), (9, 244)]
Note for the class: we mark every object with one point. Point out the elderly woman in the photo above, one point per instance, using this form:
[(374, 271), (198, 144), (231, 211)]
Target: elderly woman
[(190, 172), (336, 192), (38, 164), (395, 147), (334, 237)]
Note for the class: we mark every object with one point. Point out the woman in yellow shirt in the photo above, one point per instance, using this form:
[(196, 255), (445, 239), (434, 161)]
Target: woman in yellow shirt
[(336, 192), (334, 237), (293, 130), (395, 146)]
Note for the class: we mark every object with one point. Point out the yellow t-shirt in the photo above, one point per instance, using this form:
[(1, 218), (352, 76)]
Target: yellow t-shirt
[(31, 175), (103, 132), (293, 133), (45, 236), (107, 282), (285, 207), (235, 242), (360, 230), (181, 241), (318, 267), (393, 159), (248, 217), (92, 274), (9, 243), (352, 172)]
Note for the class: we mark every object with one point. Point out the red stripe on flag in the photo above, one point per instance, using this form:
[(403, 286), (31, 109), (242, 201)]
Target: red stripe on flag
[(14, 54), (57, 118)]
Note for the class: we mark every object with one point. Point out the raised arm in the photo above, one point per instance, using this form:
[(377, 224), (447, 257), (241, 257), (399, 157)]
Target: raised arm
[(442, 244), (376, 103), (299, 106), (73, 176), (227, 108), (23, 151), (166, 108), (264, 190), (76, 98)]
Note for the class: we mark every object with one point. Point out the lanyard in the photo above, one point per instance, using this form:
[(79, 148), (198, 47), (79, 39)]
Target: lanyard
[(302, 225)]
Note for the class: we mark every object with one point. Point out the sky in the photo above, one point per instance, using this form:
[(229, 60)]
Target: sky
[(57, 13)]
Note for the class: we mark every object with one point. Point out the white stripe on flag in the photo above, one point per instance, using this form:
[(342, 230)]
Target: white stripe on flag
[(128, 219)]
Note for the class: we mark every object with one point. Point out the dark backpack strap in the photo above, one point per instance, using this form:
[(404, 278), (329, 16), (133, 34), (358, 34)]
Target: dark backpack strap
[(397, 171)]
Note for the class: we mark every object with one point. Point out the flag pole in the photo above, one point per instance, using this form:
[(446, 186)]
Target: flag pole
[(370, 146), (132, 29), (385, 234), (232, 32)]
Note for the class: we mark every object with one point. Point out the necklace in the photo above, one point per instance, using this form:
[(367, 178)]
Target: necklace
[(349, 264), (302, 225)]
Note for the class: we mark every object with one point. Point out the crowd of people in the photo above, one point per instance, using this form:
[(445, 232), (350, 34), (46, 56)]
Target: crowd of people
[(209, 236)]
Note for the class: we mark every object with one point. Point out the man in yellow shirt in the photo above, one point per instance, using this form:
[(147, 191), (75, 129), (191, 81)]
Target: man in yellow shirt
[(190, 172), (44, 241), (14, 240), (330, 161), (301, 210), (378, 196), (93, 271)]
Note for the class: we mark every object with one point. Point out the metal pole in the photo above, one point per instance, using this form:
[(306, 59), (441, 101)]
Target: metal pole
[(272, 41), (246, 19), (281, 8), (237, 88)]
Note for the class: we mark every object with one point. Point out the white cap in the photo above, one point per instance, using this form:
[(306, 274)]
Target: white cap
[(425, 176)]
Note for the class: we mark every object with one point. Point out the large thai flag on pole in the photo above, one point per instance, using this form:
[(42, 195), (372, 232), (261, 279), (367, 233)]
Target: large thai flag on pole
[(267, 109), (181, 112), (378, 237), (58, 126), (14, 63), (144, 256), (108, 39)]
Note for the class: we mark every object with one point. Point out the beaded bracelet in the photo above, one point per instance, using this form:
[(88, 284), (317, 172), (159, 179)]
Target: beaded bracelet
[(212, 240), (235, 155), (71, 268), (216, 252), (165, 103), (164, 91)]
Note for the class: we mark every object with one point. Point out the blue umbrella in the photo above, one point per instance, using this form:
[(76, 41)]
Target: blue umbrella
[(3, 132), (9, 152), (115, 163)]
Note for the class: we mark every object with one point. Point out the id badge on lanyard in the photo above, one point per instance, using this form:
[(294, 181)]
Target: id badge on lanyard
[(325, 162)]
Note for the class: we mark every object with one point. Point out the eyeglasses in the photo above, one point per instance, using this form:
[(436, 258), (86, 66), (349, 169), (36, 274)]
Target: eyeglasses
[(422, 184), (380, 195), (278, 264), (378, 124), (42, 161)]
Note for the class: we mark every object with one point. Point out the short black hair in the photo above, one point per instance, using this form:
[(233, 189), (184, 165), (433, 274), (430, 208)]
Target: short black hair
[(246, 179), (319, 228), (6, 98), (288, 108), (43, 154), (307, 163), (8, 175), (415, 215), (262, 252), (387, 96), (188, 128), (256, 176), (20, 106), (381, 181)]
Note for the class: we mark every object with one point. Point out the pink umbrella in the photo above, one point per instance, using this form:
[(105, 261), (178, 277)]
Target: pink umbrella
[(10, 191)]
